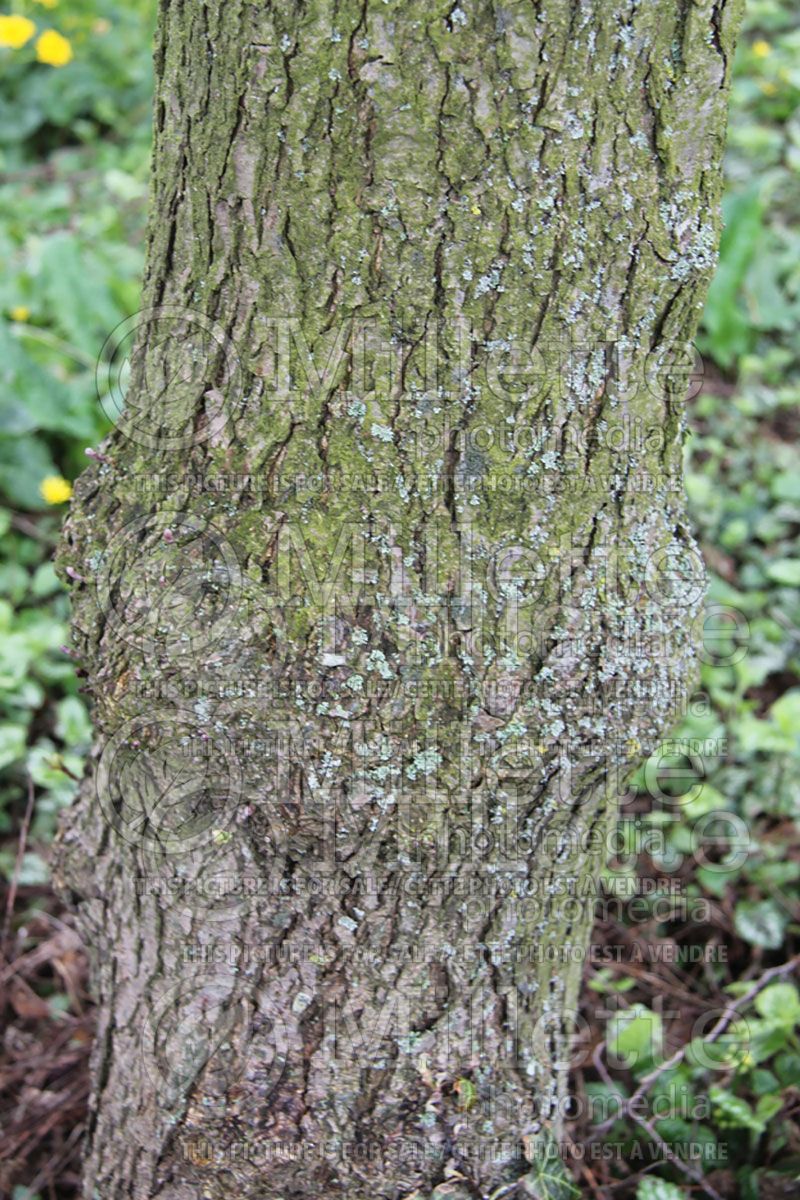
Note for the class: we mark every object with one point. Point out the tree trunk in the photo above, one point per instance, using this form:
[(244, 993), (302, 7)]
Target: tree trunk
[(383, 581)]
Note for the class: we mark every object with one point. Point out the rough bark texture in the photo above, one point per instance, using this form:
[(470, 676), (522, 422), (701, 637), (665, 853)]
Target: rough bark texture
[(378, 605)]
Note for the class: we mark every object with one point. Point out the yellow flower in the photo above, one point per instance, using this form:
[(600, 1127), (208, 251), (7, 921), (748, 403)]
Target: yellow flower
[(768, 87), (762, 49), (16, 31), (55, 490), (53, 49), (47, 3), (20, 313)]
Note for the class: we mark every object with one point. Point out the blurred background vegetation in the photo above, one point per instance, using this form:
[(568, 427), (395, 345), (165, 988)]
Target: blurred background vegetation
[(75, 86)]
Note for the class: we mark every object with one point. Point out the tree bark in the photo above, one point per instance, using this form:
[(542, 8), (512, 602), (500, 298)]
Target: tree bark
[(383, 582)]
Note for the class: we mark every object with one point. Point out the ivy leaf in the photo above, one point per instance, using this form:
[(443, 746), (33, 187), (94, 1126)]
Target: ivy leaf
[(653, 1188), (785, 571), (761, 923), (73, 725), (12, 743), (634, 1036), (733, 1112), (548, 1178), (787, 1068), (780, 1003)]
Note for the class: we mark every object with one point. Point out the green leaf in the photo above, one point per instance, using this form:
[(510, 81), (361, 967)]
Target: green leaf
[(606, 981), (550, 1181), (767, 1039), (787, 1068), (786, 486), (732, 1112), (15, 659), (725, 320), (653, 1188), (763, 1082), (34, 870), (715, 879), (605, 1100), (14, 581), (73, 725), (729, 1051), (548, 1178), (785, 712), (12, 743), (75, 282), (634, 1036), (785, 571), (780, 1002), (688, 1139), (24, 463), (748, 1180), (45, 582), (771, 875), (761, 923), (768, 1107), (31, 398)]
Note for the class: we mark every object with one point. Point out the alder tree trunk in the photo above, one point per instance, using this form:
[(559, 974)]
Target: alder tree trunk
[(382, 582)]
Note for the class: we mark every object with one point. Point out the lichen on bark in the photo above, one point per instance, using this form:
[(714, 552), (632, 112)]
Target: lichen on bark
[(385, 577)]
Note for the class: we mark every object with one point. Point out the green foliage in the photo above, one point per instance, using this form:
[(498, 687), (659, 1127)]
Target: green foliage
[(70, 277), (780, 1003), (726, 320), (71, 216), (74, 149), (547, 1178), (651, 1188), (44, 725), (754, 302), (761, 923), (106, 87), (634, 1037)]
